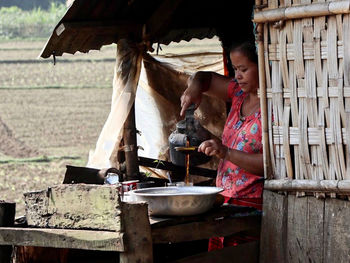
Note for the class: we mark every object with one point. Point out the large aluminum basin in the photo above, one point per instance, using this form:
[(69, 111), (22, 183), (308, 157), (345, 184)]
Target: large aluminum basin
[(177, 201)]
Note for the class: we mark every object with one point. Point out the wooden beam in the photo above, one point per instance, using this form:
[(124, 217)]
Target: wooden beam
[(62, 238), (7, 218), (161, 17), (204, 230)]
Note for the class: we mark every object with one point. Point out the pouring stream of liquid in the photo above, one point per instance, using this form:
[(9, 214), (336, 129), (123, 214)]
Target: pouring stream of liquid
[(187, 164)]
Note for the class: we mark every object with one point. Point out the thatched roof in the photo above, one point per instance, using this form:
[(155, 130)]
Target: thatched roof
[(91, 24)]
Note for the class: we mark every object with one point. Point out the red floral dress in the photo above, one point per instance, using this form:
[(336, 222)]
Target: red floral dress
[(240, 187), (243, 134)]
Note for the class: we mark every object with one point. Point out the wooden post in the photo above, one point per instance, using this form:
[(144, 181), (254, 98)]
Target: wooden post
[(136, 226), (126, 79), (131, 158), (7, 218)]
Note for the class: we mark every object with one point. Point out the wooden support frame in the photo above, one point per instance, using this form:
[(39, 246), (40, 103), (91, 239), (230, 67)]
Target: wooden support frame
[(138, 232)]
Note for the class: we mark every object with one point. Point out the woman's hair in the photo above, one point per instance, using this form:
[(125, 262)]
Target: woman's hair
[(247, 48)]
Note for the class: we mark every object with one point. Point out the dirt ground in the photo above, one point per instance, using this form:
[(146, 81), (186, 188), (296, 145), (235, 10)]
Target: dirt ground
[(51, 116)]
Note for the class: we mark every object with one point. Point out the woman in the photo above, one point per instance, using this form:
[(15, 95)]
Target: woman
[(241, 167), (240, 172)]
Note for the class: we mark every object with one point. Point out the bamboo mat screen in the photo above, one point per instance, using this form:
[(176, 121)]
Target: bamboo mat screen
[(307, 70)]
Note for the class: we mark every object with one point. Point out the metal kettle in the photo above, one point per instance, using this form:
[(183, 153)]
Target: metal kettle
[(192, 131)]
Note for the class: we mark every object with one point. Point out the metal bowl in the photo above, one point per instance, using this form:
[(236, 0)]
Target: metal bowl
[(177, 201)]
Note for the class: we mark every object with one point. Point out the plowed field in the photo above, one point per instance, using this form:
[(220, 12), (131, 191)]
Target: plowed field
[(51, 116)]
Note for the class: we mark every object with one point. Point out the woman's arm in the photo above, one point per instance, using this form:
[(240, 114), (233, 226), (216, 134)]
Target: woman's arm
[(252, 163), (211, 83)]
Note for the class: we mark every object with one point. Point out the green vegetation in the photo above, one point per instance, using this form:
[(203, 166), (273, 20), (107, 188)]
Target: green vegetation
[(41, 159), (16, 23)]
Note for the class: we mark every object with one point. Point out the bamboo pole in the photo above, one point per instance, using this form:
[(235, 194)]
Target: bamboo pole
[(263, 104), (326, 186), (303, 11)]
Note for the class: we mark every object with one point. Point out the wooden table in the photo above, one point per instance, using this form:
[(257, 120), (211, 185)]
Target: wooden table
[(222, 221)]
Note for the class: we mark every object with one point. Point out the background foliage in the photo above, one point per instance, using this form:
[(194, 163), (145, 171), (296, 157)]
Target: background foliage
[(37, 23)]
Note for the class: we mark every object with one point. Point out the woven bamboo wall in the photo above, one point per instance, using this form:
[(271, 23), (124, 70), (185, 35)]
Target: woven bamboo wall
[(307, 69)]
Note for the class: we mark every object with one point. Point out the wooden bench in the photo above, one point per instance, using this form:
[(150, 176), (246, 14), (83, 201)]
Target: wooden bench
[(71, 216)]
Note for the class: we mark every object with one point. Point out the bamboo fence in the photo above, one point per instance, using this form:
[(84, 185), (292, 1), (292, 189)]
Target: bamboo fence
[(304, 67)]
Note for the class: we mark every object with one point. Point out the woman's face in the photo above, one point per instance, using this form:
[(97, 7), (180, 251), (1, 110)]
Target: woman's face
[(246, 72)]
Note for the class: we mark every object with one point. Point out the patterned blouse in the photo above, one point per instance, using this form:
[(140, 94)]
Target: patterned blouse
[(243, 135)]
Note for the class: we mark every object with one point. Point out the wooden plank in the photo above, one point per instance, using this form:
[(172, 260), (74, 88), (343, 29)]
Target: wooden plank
[(7, 218), (336, 231), (203, 230), (273, 228), (247, 253), (75, 206), (212, 215), (136, 226), (305, 229), (63, 238), (296, 241), (315, 223)]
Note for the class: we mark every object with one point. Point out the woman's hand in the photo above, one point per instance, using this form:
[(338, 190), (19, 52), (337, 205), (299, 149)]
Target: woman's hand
[(252, 163), (213, 147), (196, 84), (192, 95), (211, 83)]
